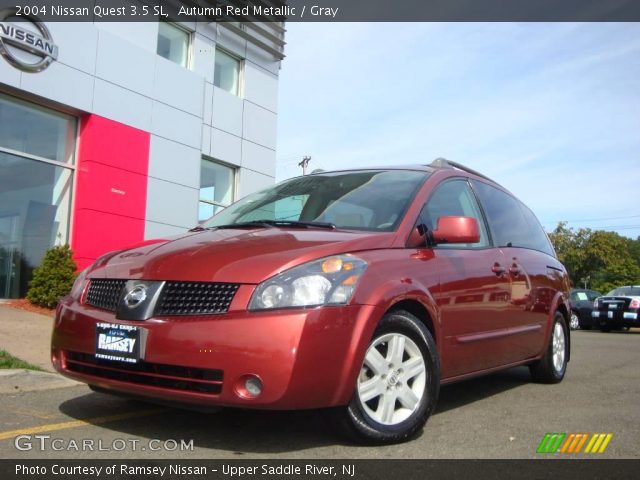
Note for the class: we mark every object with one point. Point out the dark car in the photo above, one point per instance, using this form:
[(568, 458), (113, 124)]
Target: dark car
[(581, 308), (358, 290), (620, 308)]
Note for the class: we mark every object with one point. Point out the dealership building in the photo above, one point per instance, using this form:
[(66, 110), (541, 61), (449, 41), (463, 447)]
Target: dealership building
[(114, 133)]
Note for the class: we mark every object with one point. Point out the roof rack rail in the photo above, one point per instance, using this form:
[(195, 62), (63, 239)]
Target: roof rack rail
[(444, 163)]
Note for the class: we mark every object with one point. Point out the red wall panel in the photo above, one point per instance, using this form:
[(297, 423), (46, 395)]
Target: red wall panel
[(111, 188)]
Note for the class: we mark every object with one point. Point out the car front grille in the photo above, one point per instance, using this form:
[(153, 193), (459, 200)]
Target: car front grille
[(195, 298), (105, 294), (177, 298), (173, 377)]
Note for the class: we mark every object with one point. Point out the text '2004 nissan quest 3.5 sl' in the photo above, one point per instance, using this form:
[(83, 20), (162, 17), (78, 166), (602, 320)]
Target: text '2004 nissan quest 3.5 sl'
[(359, 290)]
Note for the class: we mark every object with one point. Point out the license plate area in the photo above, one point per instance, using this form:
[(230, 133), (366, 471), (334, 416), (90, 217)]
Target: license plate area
[(118, 343)]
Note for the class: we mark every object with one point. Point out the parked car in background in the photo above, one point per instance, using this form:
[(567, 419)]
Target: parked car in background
[(620, 308), (581, 308), (358, 291)]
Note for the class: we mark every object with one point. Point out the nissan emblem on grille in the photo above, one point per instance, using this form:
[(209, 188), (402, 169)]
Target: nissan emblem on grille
[(138, 299), (136, 296)]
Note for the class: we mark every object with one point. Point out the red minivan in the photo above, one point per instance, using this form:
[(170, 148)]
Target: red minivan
[(359, 291)]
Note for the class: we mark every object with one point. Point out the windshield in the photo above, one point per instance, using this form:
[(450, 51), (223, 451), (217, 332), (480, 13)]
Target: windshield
[(624, 292), (362, 200)]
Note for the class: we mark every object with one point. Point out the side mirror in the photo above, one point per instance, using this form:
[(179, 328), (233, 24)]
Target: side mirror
[(456, 230)]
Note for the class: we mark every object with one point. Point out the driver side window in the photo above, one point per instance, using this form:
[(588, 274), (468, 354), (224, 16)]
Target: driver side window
[(454, 198)]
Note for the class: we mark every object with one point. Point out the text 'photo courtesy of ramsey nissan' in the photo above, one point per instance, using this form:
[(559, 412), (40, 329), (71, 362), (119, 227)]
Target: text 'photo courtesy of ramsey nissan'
[(319, 238)]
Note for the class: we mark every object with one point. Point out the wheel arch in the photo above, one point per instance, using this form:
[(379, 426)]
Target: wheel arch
[(395, 296), (418, 310)]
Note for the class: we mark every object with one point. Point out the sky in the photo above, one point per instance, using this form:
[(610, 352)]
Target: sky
[(549, 111)]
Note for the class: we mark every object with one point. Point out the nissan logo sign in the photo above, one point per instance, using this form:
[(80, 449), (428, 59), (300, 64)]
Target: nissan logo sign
[(14, 37), (136, 296)]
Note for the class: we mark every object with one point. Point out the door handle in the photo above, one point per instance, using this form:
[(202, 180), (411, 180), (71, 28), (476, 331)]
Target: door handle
[(497, 269)]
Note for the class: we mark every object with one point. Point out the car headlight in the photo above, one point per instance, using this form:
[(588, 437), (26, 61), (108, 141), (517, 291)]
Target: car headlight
[(328, 281), (79, 284)]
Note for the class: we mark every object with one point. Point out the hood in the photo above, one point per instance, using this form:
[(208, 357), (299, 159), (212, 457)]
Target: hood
[(234, 255)]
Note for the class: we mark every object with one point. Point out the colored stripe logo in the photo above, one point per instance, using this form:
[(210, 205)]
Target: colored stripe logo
[(574, 443)]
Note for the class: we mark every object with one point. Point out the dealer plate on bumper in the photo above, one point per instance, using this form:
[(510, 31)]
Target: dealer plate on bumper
[(116, 342)]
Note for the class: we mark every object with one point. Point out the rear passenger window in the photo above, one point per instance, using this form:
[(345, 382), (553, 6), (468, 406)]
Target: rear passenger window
[(512, 224), (538, 239), (454, 198)]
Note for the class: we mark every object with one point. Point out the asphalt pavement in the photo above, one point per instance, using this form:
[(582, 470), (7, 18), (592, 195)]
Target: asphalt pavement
[(504, 415)]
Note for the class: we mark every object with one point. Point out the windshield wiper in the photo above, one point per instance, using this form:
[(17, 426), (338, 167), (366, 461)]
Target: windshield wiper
[(276, 223), (257, 223), (296, 223)]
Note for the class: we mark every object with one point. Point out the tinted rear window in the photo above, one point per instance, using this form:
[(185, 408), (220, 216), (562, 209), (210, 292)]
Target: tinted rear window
[(512, 223)]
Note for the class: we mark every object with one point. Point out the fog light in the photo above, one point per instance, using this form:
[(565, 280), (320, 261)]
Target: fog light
[(253, 386), (248, 386)]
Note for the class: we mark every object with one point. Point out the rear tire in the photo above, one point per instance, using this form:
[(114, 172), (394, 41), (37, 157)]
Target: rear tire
[(553, 364), (398, 385)]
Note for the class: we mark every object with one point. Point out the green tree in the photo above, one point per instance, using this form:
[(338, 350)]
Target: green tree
[(54, 277), (569, 246), (607, 258)]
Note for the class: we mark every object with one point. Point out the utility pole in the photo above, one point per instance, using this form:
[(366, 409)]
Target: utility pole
[(304, 163)]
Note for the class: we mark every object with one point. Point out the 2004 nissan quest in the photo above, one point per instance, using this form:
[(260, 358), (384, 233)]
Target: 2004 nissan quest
[(358, 290)]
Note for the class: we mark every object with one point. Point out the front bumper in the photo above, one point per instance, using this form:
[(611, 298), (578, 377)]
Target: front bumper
[(616, 318), (305, 358)]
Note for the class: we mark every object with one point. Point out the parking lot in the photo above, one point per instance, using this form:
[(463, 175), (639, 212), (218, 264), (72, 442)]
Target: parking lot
[(499, 416)]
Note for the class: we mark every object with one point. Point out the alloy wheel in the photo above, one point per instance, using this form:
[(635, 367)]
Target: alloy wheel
[(392, 380), (559, 349), (574, 323)]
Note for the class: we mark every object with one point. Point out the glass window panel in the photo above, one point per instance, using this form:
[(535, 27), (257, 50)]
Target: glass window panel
[(173, 43), (36, 131), (366, 200), (227, 72), (216, 183), (454, 198), (34, 215)]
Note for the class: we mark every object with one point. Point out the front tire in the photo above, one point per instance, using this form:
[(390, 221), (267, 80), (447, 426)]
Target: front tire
[(553, 364), (398, 385)]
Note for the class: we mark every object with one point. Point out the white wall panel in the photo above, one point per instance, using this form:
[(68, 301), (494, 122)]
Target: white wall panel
[(126, 64), (208, 103), (122, 105), (260, 87), (176, 125), (61, 84), (174, 162), (227, 112), (171, 203), (153, 230), (206, 140), (258, 158), (226, 147), (203, 56), (141, 34), (259, 125), (251, 181), (77, 43), (178, 87)]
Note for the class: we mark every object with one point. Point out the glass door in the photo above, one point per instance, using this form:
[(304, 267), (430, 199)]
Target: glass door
[(9, 257)]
